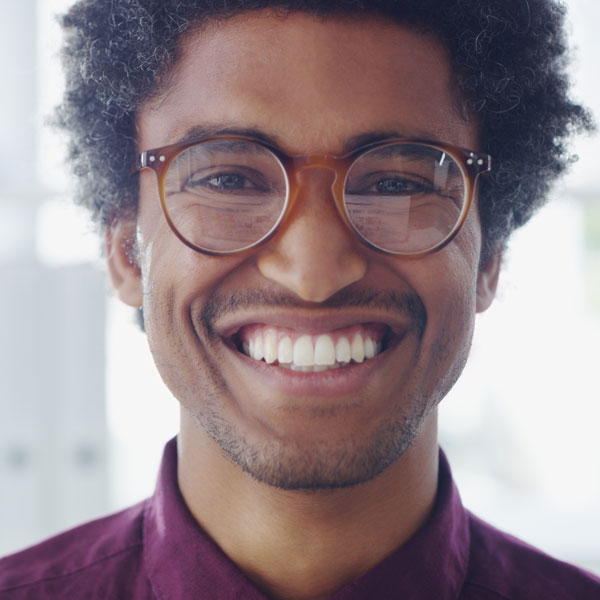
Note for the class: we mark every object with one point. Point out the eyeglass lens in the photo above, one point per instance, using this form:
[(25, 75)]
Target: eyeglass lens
[(227, 195)]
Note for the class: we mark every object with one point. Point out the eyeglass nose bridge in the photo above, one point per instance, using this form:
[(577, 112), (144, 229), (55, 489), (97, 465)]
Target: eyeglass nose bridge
[(297, 166)]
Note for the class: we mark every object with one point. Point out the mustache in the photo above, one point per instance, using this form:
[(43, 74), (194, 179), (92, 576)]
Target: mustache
[(406, 304)]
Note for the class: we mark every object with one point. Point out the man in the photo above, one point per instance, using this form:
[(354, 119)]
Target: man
[(333, 185)]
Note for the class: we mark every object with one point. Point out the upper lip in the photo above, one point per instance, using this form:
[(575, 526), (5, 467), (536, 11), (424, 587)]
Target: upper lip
[(311, 322)]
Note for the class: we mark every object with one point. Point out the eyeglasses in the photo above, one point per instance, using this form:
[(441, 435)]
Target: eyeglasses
[(227, 194)]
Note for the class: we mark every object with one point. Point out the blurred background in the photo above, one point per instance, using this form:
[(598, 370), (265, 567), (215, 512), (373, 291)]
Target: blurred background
[(84, 416)]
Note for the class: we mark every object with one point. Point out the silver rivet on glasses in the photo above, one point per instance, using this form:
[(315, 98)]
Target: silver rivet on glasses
[(152, 158), (480, 161), (162, 159), (469, 161)]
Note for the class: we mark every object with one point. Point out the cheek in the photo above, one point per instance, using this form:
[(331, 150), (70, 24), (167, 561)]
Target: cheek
[(177, 282), (454, 286), (168, 266), (446, 283), (447, 340), (451, 312)]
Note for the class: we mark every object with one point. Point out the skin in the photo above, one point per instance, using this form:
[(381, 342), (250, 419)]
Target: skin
[(311, 86)]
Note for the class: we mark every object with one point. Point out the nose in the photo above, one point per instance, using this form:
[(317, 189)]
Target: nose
[(314, 255)]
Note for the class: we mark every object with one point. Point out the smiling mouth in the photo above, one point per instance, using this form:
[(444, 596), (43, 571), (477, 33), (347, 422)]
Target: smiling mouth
[(313, 352)]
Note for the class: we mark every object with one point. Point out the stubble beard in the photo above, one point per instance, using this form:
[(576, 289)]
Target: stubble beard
[(328, 463), (323, 465)]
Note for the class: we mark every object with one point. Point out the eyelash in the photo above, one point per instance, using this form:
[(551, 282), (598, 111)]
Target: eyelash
[(194, 181)]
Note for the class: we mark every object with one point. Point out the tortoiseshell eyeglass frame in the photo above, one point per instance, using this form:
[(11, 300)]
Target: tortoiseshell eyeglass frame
[(471, 163)]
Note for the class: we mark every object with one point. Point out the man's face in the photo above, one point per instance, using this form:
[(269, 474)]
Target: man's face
[(311, 87)]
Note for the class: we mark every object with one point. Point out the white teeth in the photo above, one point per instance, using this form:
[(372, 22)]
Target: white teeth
[(324, 351), (343, 353), (302, 369), (304, 354), (285, 350), (310, 353), (259, 350), (270, 346), (358, 349)]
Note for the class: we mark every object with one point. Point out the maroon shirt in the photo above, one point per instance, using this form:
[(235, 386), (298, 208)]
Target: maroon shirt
[(157, 550)]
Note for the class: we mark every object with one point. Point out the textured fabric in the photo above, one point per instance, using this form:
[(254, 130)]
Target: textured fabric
[(156, 550)]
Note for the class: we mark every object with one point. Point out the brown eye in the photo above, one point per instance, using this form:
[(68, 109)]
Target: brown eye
[(227, 182), (398, 186)]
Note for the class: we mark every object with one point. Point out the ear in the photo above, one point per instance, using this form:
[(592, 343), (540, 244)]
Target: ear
[(121, 260), (487, 282)]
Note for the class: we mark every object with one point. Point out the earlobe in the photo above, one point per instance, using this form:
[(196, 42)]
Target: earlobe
[(487, 282), (123, 268)]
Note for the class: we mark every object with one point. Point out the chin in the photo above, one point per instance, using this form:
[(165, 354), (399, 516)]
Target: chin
[(318, 464)]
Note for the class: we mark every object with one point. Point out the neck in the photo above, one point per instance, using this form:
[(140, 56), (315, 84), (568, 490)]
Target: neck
[(300, 544)]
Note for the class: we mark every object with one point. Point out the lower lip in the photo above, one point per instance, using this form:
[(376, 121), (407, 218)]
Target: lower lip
[(332, 382)]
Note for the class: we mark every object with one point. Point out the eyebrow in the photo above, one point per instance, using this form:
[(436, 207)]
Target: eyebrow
[(204, 131), (200, 132)]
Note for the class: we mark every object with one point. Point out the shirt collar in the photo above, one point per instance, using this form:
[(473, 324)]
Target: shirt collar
[(183, 562)]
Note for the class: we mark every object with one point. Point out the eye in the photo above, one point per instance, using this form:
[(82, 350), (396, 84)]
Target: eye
[(221, 182), (227, 182), (389, 184), (398, 186)]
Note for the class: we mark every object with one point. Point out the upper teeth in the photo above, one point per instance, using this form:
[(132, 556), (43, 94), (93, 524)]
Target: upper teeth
[(310, 352)]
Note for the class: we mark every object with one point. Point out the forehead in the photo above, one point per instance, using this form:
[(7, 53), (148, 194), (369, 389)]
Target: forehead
[(308, 84)]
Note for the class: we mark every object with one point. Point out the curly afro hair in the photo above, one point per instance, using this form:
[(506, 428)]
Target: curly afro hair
[(508, 56)]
